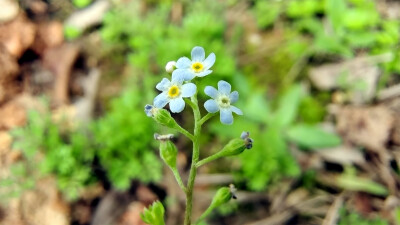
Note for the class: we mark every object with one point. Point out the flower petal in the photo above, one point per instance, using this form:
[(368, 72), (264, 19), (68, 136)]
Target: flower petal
[(178, 76), (198, 54), (211, 106), (234, 96), (226, 116), (236, 110), (161, 100), (209, 62), (148, 110), (224, 87), (163, 85), (183, 63), (204, 73), (188, 90), (211, 91), (176, 105)]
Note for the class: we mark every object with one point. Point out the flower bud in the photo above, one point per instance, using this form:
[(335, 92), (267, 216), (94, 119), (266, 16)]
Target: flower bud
[(168, 152), (170, 67), (237, 145), (161, 116), (222, 196)]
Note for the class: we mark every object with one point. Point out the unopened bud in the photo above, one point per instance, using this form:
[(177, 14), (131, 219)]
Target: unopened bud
[(222, 196), (237, 145), (161, 116), (168, 152), (170, 67)]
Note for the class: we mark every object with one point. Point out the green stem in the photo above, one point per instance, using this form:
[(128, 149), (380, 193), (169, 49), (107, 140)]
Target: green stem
[(205, 118), (209, 159), (185, 132), (178, 179), (195, 159), (205, 214)]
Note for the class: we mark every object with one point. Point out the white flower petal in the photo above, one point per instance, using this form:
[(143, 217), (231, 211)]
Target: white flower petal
[(183, 63), (163, 85), (188, 90), (161, 100), (176, 105), (198, 54), (178, 76), (204, 73), (224, 87), (211, 91), (211, 106), (209, 62), (236, 110), (234, 96), (226, 116)]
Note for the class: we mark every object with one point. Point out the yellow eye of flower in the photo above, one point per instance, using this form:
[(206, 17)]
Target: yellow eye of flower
[(197, 67), (173, 91), (224, 101)]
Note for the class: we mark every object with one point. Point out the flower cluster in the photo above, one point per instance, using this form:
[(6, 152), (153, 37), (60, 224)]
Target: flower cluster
[(180, 86)]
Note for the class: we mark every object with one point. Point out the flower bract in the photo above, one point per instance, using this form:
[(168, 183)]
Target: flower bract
[(173, 93), (199, 66), (221, 101)]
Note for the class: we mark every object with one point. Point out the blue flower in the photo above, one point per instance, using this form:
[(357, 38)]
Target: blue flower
[(221, 101), (199, 66), (172, 92)]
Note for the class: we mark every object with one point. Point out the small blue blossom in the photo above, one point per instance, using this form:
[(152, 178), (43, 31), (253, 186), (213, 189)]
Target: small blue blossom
[(221, 101), (148, 109), (172, 92), (199, 66)]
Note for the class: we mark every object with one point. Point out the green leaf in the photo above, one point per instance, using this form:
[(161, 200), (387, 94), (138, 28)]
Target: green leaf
[(311, 136), (154, 215), (288, 107), (361, 184)]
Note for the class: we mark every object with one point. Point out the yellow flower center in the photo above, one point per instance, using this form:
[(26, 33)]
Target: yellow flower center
[(173, 91), (197, 67)]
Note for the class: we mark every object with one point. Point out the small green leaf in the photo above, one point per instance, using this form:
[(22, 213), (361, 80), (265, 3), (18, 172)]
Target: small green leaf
[(312, 137), (361, 184), (154, 215), (288, 106)]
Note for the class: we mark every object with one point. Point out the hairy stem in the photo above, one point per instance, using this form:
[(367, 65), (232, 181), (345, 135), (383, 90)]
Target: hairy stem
[(209, 159), (195, 159), (178, 179), (205, 118), (184, 132)]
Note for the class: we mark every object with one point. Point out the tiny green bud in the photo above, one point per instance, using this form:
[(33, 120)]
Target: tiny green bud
[(234, 147), (161, 116), (154, 215), (168, 151), (223, 196)]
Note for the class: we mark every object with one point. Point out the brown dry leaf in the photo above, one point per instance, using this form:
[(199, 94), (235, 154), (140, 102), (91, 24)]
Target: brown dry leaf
[(132, 215), (60, 61), (18, 35), (44, 205), (362, 70), (49, 35), (12, 115), (366, 126)]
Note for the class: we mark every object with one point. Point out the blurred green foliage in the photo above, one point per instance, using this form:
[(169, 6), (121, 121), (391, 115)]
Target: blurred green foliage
[(347, 217), (124, 143), (53, 151), (272, 129)]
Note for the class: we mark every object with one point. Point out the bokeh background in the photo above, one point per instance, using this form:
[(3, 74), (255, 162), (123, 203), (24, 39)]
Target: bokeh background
[(318, 84)]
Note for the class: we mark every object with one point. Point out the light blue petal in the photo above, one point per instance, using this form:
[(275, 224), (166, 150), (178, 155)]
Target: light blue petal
[(198, 54), (148, 110), (211, 106), (226, 116), (176, 105), (161, 100), (188, 90), (178, 76), (183, 63), (204, 73), (209, 62), (224, 87), (163, 85), (236, 110), (211, 91), (234, 96)]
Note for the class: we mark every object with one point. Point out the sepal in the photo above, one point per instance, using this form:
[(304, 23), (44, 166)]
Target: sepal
[(154, 215)]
